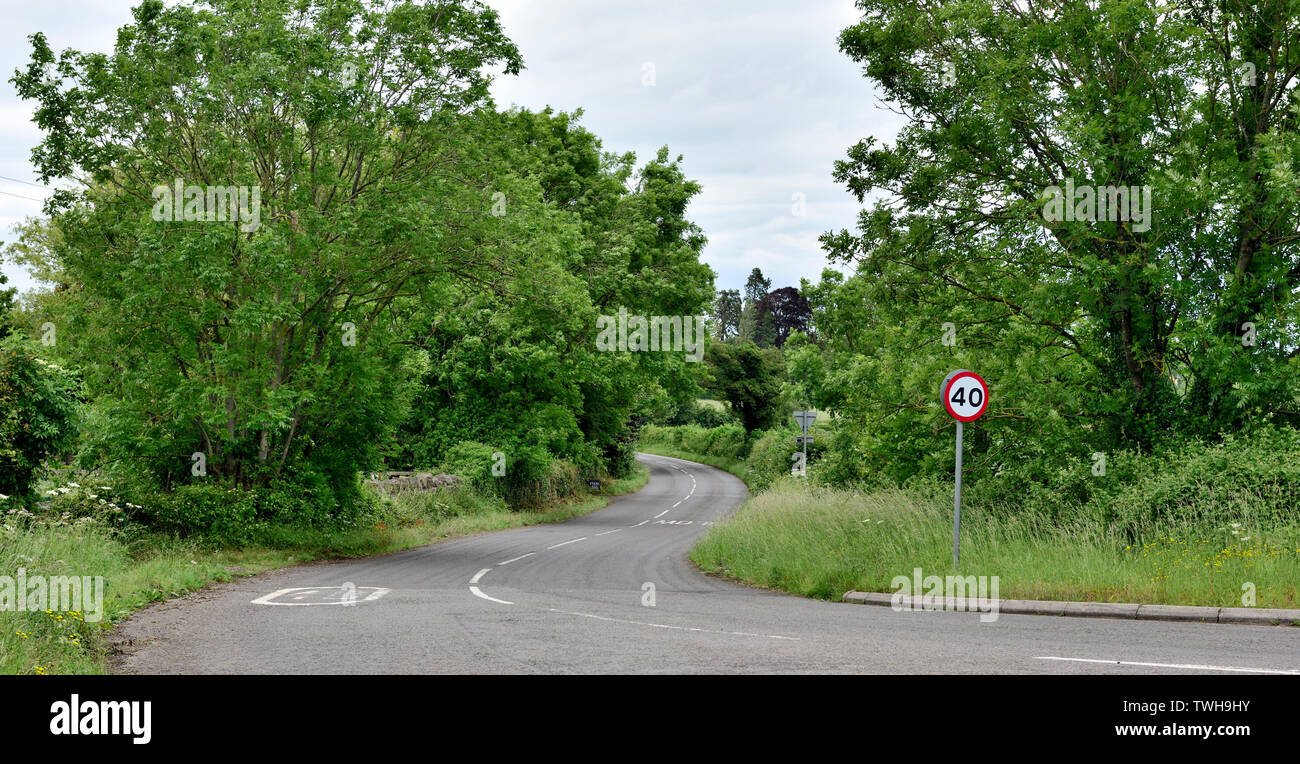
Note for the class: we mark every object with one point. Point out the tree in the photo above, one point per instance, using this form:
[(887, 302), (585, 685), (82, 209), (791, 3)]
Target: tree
[(1132, 327), (756, 286), (726, 315), (516, 366), (6, 308), (784, 311), (264, 340), (749, 378), (37, 413)]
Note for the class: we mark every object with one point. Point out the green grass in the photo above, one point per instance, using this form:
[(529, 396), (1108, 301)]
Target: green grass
[(140, 567), (822, 542)]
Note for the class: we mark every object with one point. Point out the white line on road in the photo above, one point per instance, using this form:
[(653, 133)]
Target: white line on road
[(570, 541), (478, 575), (667, 626), (616, 530), (661, 514), (638, 525), (477, 593), (1189, 666), (514, 559)]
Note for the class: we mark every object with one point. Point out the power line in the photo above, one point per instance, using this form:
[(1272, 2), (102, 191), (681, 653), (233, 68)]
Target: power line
[(26, 182), (20, 196)]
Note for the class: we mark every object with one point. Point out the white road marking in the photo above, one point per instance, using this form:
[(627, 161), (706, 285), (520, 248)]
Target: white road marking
[(514, 559), (675, 628), (478, 575), (570, 541), (269, 599), (1189, 666), (638, 525), (661, 514), (678, 503), (616, 530), (477, 593)]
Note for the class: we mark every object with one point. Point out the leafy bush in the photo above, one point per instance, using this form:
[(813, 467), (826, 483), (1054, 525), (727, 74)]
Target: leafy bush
[(37, 405), (1252, 479), (769, 457), (220, 512), (472, 462), (728, 441), (695, 438)]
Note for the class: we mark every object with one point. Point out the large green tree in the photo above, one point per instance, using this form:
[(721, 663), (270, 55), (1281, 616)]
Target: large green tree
[(516, 365), (266, 342), (1120, 332)]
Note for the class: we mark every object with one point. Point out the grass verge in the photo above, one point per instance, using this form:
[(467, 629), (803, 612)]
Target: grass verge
[(140, 567), (820, 542)]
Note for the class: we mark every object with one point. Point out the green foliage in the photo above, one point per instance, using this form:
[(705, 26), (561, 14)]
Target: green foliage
[(424, 271), (37, 413), (517, 365), (1094, 335), (770, 455), (268, 343), (695, 412), (1251, 479), (749, 378)]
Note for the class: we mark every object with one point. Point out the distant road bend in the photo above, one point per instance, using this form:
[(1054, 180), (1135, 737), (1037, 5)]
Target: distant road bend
[(575, 597)]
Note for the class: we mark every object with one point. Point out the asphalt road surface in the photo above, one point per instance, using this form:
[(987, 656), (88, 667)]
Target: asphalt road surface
[(574, 598)]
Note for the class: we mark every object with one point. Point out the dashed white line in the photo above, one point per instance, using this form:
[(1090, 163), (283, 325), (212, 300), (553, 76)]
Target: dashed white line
[(1189, 666), (515, 559), (616, 530), (638, 525), (661, 514), (570, 541)]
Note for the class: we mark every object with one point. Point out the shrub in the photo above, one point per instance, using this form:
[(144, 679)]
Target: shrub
[(769, 457), (728, 442), (37, 405)]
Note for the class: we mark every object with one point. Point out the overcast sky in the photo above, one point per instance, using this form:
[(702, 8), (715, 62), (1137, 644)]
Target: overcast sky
[(753, 93)]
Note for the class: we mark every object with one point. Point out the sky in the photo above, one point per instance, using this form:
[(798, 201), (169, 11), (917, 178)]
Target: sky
[(753, 94)]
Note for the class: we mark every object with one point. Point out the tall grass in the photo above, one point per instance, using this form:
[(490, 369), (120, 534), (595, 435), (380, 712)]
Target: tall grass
[(821, 542)]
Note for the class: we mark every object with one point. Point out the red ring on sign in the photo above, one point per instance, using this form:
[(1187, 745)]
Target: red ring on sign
[(947, 405)]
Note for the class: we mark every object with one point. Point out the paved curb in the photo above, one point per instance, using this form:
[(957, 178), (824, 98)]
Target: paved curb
[(1239, 615)]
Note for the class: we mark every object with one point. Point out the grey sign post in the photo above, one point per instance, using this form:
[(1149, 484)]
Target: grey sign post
[(805, 420), (965, 397)]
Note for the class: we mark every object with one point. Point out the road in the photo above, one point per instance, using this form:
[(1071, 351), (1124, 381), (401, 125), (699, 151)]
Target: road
[(572, 598)]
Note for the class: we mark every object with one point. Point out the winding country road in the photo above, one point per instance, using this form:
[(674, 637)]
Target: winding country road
[(571, 598)]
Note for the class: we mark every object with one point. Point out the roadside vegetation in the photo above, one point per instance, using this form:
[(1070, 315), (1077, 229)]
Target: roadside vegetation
[(1193, 526)]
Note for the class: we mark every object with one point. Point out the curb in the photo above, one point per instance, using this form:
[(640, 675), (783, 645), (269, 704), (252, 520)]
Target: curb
[(1131, 611)]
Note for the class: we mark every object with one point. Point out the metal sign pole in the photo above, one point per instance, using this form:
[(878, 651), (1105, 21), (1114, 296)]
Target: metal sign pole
[(956, 506), (805, 439)]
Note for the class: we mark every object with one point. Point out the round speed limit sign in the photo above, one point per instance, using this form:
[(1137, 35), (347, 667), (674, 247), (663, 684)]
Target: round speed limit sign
[(965, 395)]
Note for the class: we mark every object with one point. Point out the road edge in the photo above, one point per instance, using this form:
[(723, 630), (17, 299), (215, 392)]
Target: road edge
[(1126, 610)]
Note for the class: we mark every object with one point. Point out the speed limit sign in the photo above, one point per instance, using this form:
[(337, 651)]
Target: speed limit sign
[(965, 395)]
